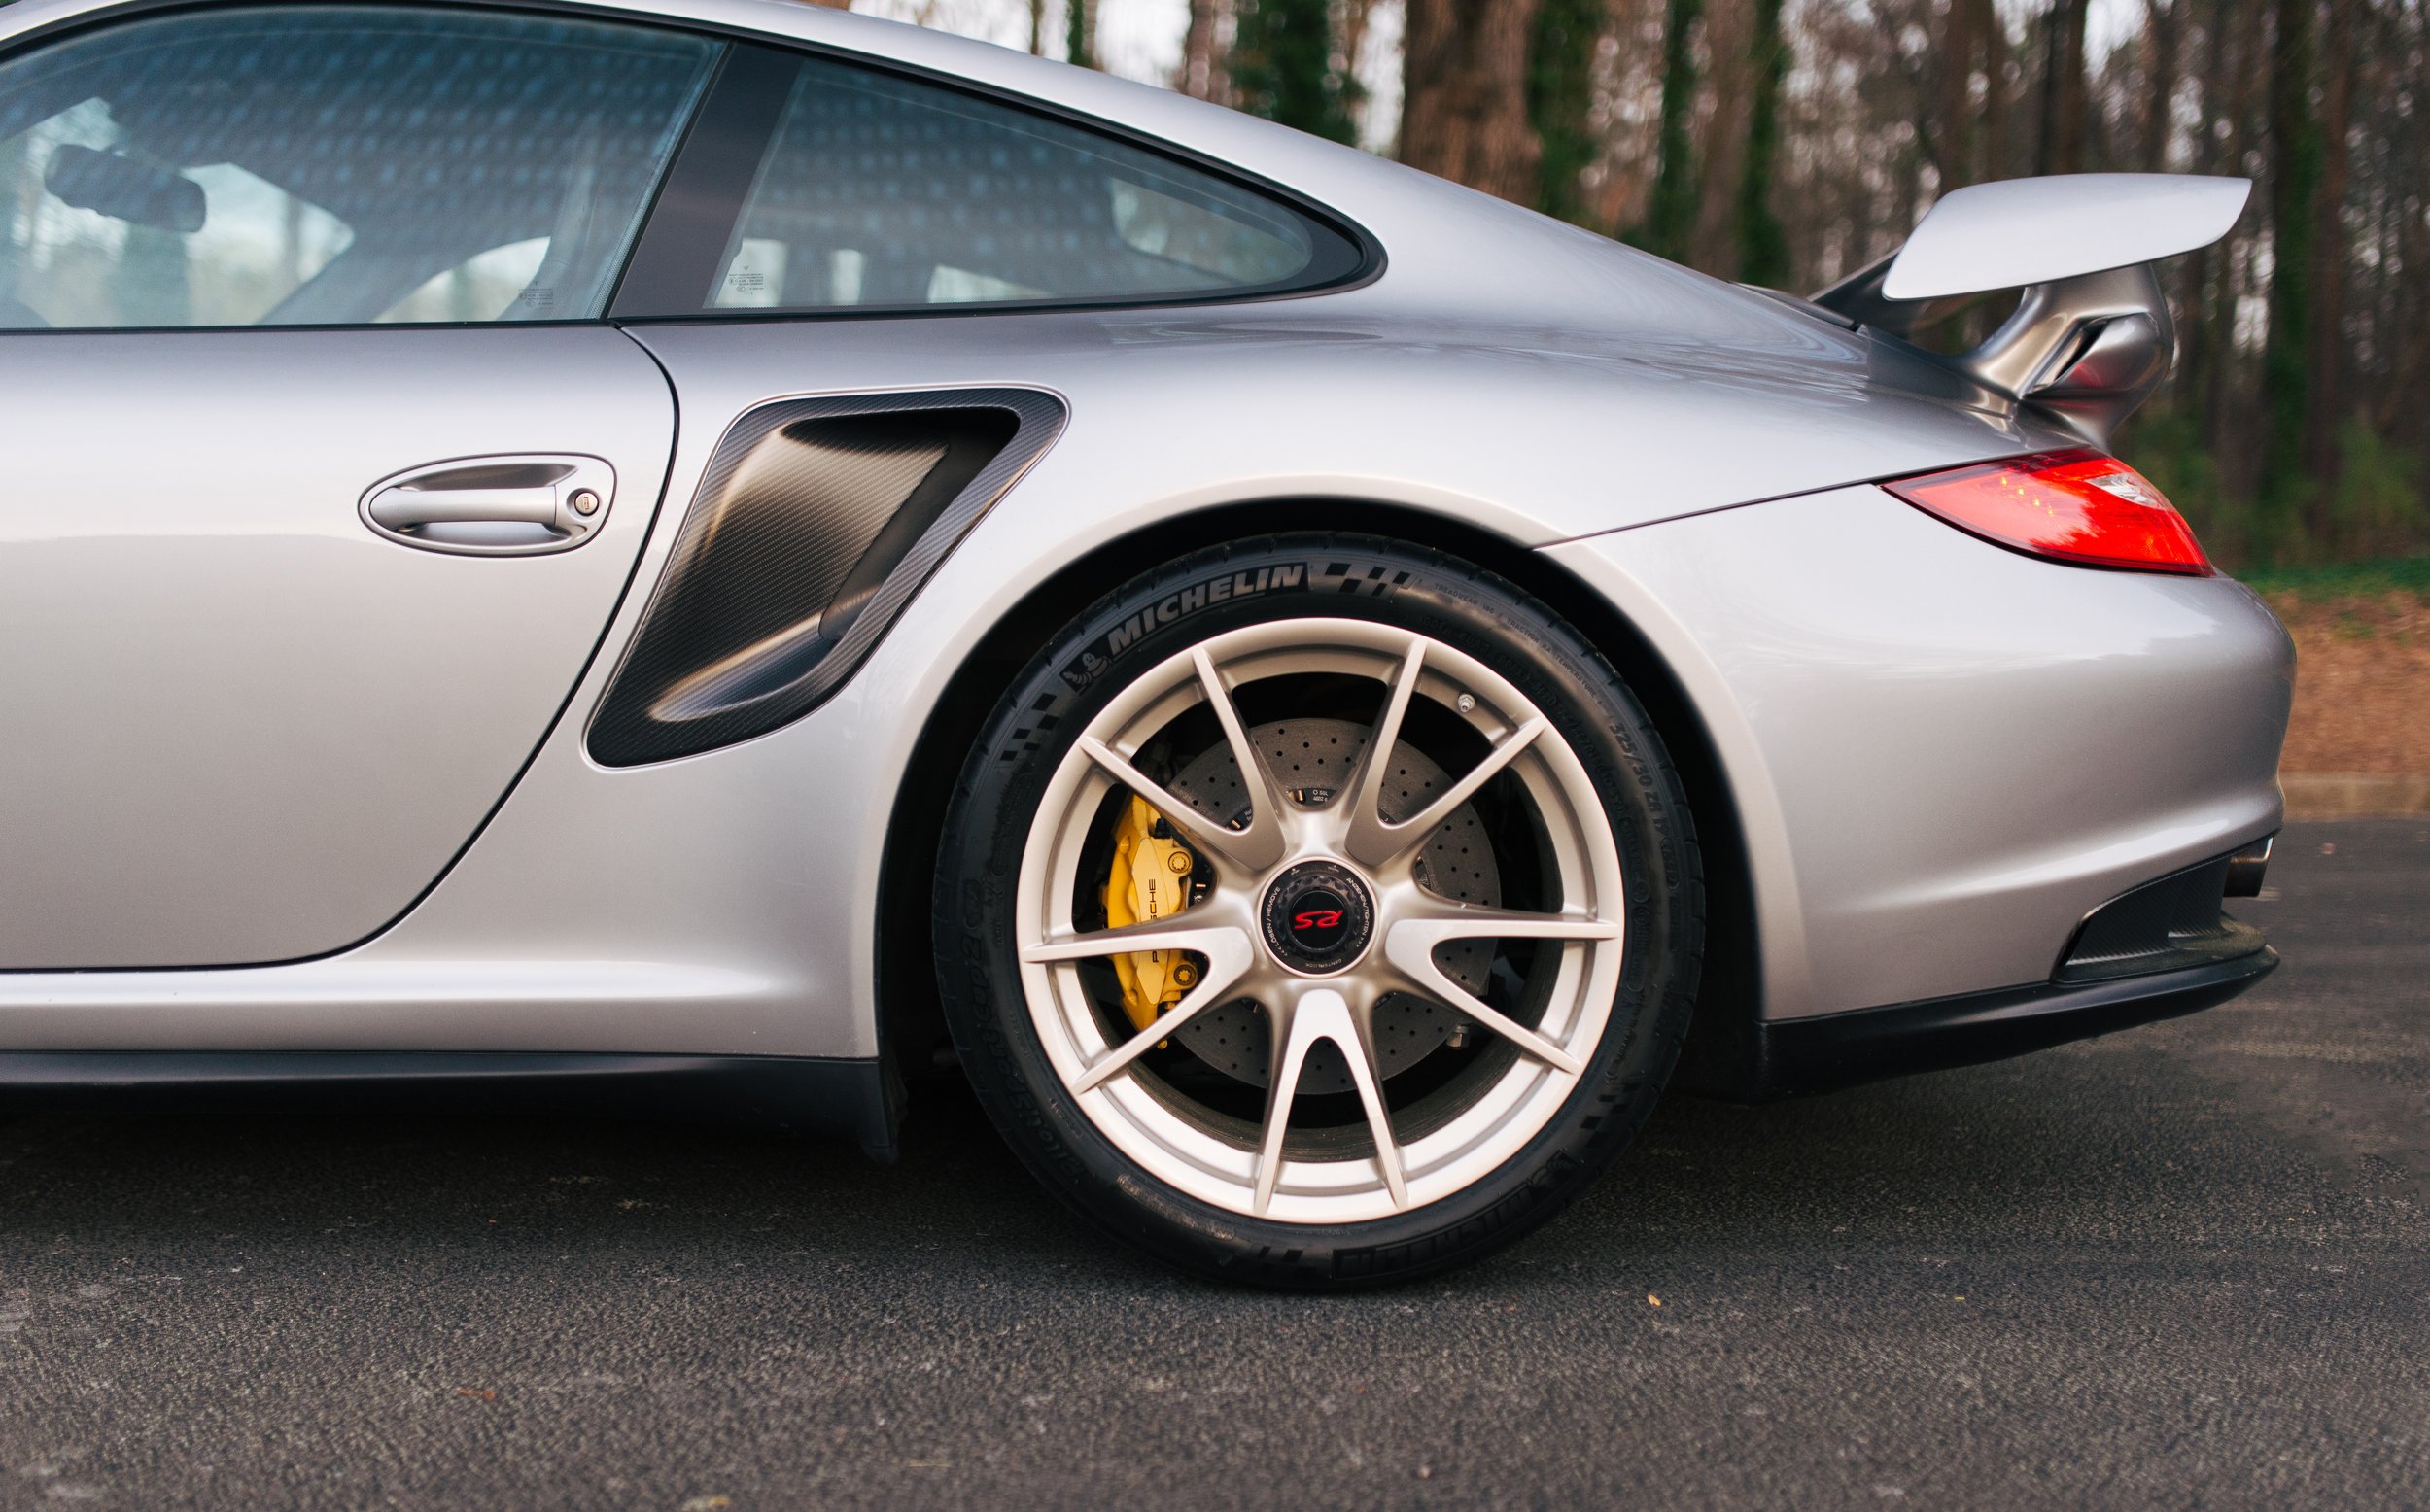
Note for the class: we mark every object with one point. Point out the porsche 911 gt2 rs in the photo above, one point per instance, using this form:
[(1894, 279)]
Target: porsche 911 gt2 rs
[(723, 552)]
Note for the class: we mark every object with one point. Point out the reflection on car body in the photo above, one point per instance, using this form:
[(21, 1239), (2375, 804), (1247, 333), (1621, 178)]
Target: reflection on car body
[(730, 556)]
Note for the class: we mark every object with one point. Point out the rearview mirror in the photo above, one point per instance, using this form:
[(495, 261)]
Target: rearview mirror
[(119, 187)]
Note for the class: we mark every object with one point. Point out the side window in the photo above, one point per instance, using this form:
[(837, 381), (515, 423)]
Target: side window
[(883, 192), (331, 165)]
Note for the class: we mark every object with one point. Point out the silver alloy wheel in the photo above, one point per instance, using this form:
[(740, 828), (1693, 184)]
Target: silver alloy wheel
[(1338, 841)]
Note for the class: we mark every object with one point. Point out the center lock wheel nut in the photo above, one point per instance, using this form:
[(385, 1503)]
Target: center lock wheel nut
[(1318, 917)]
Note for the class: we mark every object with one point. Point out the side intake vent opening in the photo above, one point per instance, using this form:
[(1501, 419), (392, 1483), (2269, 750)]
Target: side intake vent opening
[(816, 523)]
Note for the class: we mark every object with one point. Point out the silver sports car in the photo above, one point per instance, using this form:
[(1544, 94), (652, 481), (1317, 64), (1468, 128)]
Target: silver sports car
[(726, 553)]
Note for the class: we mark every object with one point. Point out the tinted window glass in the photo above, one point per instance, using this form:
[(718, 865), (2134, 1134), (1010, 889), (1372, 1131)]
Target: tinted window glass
[(880, 191), (332, 166)]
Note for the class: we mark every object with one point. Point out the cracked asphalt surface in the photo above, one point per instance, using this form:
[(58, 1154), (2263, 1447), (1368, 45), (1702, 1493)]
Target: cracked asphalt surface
[(2180, 1266)]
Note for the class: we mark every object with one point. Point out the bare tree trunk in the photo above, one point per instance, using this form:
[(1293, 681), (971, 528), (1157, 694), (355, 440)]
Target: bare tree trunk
[(1080, 33), (2328, 263), (2286, 353), (2163, 32), (1283, 56), (1994, 34), (1762, 242), (2244, 61), (1671, 218), (2190, 383), (1954, 161), (1037, 27), (2413, 360), (1720, 134), (1561, 102), (1464, 94), (1355, 16), (1203, 74), (2063, 87)]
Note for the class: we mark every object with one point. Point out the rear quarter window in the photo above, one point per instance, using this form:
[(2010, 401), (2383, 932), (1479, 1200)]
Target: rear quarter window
[(882, 192)]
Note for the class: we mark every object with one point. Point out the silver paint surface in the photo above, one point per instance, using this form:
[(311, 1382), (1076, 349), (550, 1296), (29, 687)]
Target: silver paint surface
[(1943, 753), (1983, 236), (241, 726)]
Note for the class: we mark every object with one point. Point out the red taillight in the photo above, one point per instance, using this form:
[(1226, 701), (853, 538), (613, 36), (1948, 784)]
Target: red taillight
[(2071, 507)]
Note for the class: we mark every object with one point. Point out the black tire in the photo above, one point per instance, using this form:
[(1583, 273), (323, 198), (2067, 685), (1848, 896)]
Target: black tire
[(1340, 576)]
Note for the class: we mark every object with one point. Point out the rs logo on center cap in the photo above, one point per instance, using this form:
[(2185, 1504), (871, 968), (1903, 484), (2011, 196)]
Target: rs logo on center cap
[(1318, 917)]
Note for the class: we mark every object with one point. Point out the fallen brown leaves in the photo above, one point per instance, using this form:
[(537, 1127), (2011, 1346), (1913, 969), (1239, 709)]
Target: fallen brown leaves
[(2362, 683)]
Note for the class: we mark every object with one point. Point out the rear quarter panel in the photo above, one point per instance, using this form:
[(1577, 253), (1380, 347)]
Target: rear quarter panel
[(1945, 753)]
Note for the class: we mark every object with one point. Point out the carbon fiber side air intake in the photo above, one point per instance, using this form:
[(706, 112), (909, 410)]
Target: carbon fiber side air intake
[(815, 522)]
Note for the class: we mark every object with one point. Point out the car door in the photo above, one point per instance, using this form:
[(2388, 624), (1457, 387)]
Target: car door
[(874, 293), (323, 469)]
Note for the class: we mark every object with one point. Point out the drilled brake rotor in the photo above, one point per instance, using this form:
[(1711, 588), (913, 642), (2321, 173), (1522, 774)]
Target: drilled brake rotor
[(1315, 756)]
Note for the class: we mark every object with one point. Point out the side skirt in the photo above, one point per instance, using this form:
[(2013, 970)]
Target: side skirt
[(832, 1098)]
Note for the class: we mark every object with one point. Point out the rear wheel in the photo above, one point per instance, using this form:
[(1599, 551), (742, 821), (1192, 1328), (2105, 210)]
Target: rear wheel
[(1318, 911)]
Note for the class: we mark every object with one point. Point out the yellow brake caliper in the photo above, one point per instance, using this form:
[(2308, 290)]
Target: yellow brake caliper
[(1151, 881)]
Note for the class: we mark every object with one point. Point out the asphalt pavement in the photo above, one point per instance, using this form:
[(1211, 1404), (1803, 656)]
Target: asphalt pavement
[(2181, 1266)]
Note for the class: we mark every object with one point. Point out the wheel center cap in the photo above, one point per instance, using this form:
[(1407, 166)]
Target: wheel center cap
[(1318, 917)]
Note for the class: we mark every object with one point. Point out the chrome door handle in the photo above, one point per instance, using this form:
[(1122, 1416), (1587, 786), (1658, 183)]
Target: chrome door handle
[(515, 507), (402, 508)]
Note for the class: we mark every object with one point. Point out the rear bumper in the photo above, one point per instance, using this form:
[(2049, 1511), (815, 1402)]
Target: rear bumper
[(1823, 1054), (1942, 755)]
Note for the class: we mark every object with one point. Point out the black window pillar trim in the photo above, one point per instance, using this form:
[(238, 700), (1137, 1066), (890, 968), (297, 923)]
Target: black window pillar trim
[(674, 264)]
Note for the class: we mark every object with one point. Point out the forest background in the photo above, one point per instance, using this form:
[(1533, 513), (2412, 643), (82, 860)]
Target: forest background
[(1790, 142)]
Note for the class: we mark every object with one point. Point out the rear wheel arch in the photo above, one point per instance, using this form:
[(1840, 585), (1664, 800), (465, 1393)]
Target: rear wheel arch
[(1718, 1058)]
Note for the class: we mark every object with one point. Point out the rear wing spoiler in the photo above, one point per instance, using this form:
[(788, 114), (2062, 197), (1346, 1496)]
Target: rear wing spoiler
[(2092, 337)]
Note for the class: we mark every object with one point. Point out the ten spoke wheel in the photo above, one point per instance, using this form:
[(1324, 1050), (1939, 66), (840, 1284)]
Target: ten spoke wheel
[(1416, 1034), (1317, 911)]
